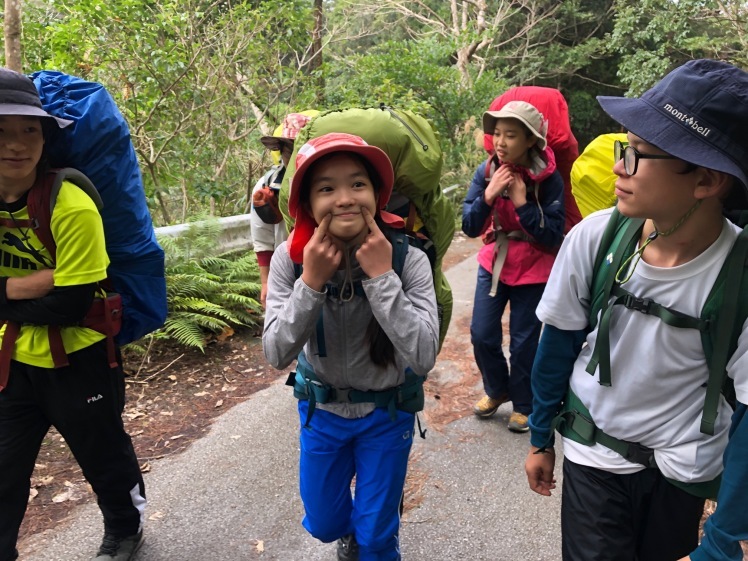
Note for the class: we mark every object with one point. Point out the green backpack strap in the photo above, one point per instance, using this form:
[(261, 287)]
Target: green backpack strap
[(619, 240), (726, 308), (575, 423)]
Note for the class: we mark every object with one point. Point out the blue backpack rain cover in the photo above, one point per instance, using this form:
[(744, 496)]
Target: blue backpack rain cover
[(98, 144)]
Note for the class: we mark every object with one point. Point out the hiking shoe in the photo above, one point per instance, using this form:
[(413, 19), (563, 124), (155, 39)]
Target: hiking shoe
[(488, 406), (518, 422), (348, 548), (119, 549)]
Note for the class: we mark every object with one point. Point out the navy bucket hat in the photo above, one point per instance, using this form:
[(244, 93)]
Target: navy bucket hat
[(19, 96), (698, 113)]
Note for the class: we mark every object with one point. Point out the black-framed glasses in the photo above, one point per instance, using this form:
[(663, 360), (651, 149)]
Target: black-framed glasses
[(631, 156)]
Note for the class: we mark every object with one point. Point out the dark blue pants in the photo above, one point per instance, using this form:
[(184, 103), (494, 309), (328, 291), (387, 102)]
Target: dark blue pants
[(84, 401), (487, 336), (373, 448)]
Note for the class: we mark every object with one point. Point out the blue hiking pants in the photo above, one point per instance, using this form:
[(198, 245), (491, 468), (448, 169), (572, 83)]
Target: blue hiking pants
[(375, 449), (487, 337)]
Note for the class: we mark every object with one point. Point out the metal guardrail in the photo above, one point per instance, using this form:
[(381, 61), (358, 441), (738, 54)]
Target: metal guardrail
[(235, 233), (448, 190)]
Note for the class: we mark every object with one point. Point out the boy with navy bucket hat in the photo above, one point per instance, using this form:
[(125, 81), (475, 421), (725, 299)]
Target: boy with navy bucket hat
[(634, 485)]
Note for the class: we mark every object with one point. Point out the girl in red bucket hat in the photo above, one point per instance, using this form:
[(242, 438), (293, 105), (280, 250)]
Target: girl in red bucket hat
[(357, 309)]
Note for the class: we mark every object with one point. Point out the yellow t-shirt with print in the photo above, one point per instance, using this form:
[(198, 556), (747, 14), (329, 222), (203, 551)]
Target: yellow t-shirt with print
[(78, 231)]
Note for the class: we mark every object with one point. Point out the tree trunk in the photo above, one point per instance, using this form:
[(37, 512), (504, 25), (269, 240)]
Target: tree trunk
[(13, 35), (316, 62)]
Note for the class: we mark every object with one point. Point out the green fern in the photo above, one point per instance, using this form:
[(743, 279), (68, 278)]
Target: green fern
[(207, 293)]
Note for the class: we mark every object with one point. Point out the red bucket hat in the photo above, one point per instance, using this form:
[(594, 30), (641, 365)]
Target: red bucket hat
[(312, 151)]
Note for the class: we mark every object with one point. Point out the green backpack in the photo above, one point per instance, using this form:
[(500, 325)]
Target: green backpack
[(720, 324), (413, 148)]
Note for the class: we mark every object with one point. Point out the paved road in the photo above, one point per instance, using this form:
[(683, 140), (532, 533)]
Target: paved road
[(232, 496)]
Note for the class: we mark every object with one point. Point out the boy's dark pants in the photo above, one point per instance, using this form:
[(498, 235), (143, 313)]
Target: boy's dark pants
[(487, 336), (635, 517), (84, 401)]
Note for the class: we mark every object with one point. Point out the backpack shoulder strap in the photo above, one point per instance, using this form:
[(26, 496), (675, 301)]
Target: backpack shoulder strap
[(400, 244), (726, 309), (490, 167), (79, 179), (39, 205), (43, 197), (618, 241)]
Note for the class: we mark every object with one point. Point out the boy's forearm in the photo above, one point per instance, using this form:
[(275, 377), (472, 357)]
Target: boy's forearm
[(35, 285), (65, 305), (554, 363)]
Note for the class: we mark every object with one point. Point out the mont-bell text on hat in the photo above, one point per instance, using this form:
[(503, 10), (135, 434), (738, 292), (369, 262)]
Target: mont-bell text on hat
[(687, 120)]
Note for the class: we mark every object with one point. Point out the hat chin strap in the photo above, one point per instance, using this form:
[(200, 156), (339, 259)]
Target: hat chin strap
[(650, 238), (346, 290)]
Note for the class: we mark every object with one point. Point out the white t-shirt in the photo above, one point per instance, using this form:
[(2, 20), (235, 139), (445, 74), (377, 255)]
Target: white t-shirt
[(658, 372)]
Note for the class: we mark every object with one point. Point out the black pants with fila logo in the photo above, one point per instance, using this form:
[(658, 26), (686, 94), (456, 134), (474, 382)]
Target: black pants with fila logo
[(84, 402), (633, 517)]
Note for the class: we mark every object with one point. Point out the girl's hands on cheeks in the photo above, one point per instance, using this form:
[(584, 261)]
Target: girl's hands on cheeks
[(375, 254), (321, 257)]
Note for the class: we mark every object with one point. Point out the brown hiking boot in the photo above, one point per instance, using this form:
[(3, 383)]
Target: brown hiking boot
[(518, 422), (488, 405)]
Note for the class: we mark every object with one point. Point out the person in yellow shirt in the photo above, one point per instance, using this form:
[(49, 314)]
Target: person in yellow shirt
[(84, 399)]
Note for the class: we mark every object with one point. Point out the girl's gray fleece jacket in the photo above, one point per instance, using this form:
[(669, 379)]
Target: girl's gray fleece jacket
[(404, 307)]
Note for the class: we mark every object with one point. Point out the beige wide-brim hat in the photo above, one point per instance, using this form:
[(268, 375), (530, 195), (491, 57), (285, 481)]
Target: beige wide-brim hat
[(525, 113)]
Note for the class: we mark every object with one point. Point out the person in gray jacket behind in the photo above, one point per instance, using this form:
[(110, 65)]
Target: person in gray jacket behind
[(265, 221), (364, 334)]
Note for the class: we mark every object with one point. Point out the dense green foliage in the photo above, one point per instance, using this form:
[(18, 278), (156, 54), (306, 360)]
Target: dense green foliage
[(201, 80)]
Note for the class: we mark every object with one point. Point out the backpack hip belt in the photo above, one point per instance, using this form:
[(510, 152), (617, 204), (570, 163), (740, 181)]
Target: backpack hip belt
[(575, 423), (104, 316), (408, 396)]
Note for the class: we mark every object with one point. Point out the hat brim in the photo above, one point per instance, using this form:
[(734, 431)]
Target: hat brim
[(275, 142), (490, 118), (31, 111), (660, 129), (304, 224), (375, 156)]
